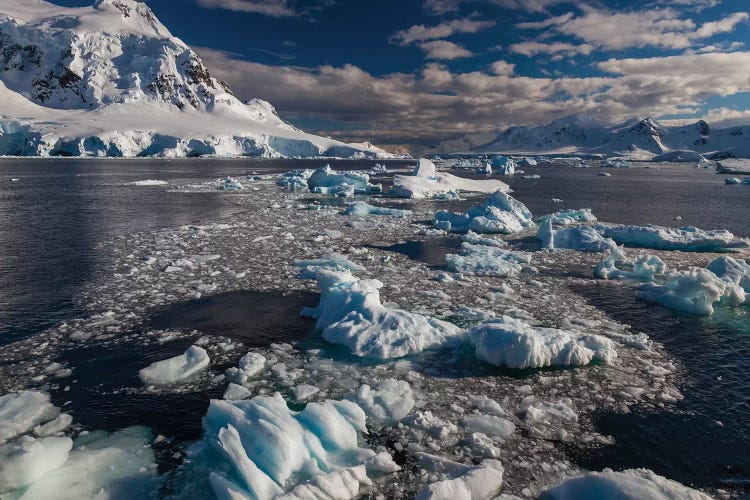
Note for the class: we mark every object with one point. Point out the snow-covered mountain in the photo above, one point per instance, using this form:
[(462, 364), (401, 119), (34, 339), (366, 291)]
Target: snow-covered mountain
[(586, 134), (111, 80)]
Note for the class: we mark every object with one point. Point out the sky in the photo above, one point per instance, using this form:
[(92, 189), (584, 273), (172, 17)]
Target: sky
[(410, 73)]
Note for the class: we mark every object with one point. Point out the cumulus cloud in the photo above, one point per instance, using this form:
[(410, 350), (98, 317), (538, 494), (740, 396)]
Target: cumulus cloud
[(440, 7), (660, 27), (445, 50), (435, 103), (421, 33), (502, 68), (532, 48), (726, 117)]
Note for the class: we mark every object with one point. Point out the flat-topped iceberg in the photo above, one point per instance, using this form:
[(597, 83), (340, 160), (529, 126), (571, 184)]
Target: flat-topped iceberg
[(193, 360), (268, 449), (632, 484), (568, 217), (581, 238), (350, 313), (487, 260), (514, 343), (427, 182), (499, 214), (688, 239)]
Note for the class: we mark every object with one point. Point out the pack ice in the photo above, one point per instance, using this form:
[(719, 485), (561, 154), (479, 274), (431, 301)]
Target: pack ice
[(688, 239), (426, 182), (499, 214), (168, 371)]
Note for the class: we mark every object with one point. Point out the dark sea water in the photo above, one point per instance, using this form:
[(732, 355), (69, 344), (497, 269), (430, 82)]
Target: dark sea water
[(53, 217)]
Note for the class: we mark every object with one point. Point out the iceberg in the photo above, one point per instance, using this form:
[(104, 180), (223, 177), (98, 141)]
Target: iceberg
[(487, 260), (694, 291), (513, 343), (350, 313), (271, 449), (503, 165), (581, 238), (499, 214), (362, 209), (568, 217), (688, 239), (327, 181), (426, 182), (193, 360), (616, 266), (735, 271), (632, 484)]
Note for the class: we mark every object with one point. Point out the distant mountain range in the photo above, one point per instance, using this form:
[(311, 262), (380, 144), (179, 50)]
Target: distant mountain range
[(585, 134), (111, 80)]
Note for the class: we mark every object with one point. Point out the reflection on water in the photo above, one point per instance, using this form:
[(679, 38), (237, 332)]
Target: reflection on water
[(705, 440)]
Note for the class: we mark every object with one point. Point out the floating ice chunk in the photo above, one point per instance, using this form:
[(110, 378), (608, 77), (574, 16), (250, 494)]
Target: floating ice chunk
[(500, 214), (361, 209), (694, 291), (633, 484), (59, 424), (267, 444), (334, 261), (149, 182), (490, 425), (325, 180), (616, 266), (381, 463), (390, 401), (485, 260), (736, 271), (503, 165), (295, 179), (690, 239), (545, 411), (568, 217), (426, 182), (20, 412), (527, 162), (304, 391), (478, 239), (341, 484), (230, 184), (168, 371), (120, 465), (516, 344), (252, 364), (379, 168), (350, 313), (236, 392), (432, 424), (581, 238), (28, 460), (464, 482), (732, 181)]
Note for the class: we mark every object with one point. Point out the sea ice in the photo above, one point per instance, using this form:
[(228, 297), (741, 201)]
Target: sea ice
[(616, 266), (426, 182), (463, 482), (20, 412), (694, 291), (632, 484), (690, 239), (29, 459), (581, 238), (150, 182), (168, 371), (350, 313), (486, 260), (514, 343), (325, 180), (736, 271), (568, 217), (361, 209), (500, 214), (390, 401), (503, 165), (272, 448)]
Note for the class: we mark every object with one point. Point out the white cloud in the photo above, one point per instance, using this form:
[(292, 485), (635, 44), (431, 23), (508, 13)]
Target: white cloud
[(532, 48), (421, 33), (725, 25), (726, 117), (274, 8), (436, 103), (502, 68), (443, 49)]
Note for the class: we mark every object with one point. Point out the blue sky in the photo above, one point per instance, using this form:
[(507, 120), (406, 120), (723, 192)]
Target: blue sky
[(416, 71)]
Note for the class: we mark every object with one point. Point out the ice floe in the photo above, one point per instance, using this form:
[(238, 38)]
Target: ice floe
[(150, 182), (514, 343), (581, 238), (499, 214), (616, 266), (362, 209), (325, 180), (390, 401), (426, 182), (463, 482), (487, 260), (568, 217), (631, 484), (689, 239), (168, 371)]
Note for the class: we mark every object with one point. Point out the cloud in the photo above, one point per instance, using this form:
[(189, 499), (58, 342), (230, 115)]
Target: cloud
[(726, 117), (502, 68), (273, 8), (440, 7), (443, 49), (662, 28), (435, 103), (532, 48), (421, 33)]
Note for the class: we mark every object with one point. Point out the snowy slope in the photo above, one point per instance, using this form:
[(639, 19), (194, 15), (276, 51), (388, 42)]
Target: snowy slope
[(636, 138), (111, 80)]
